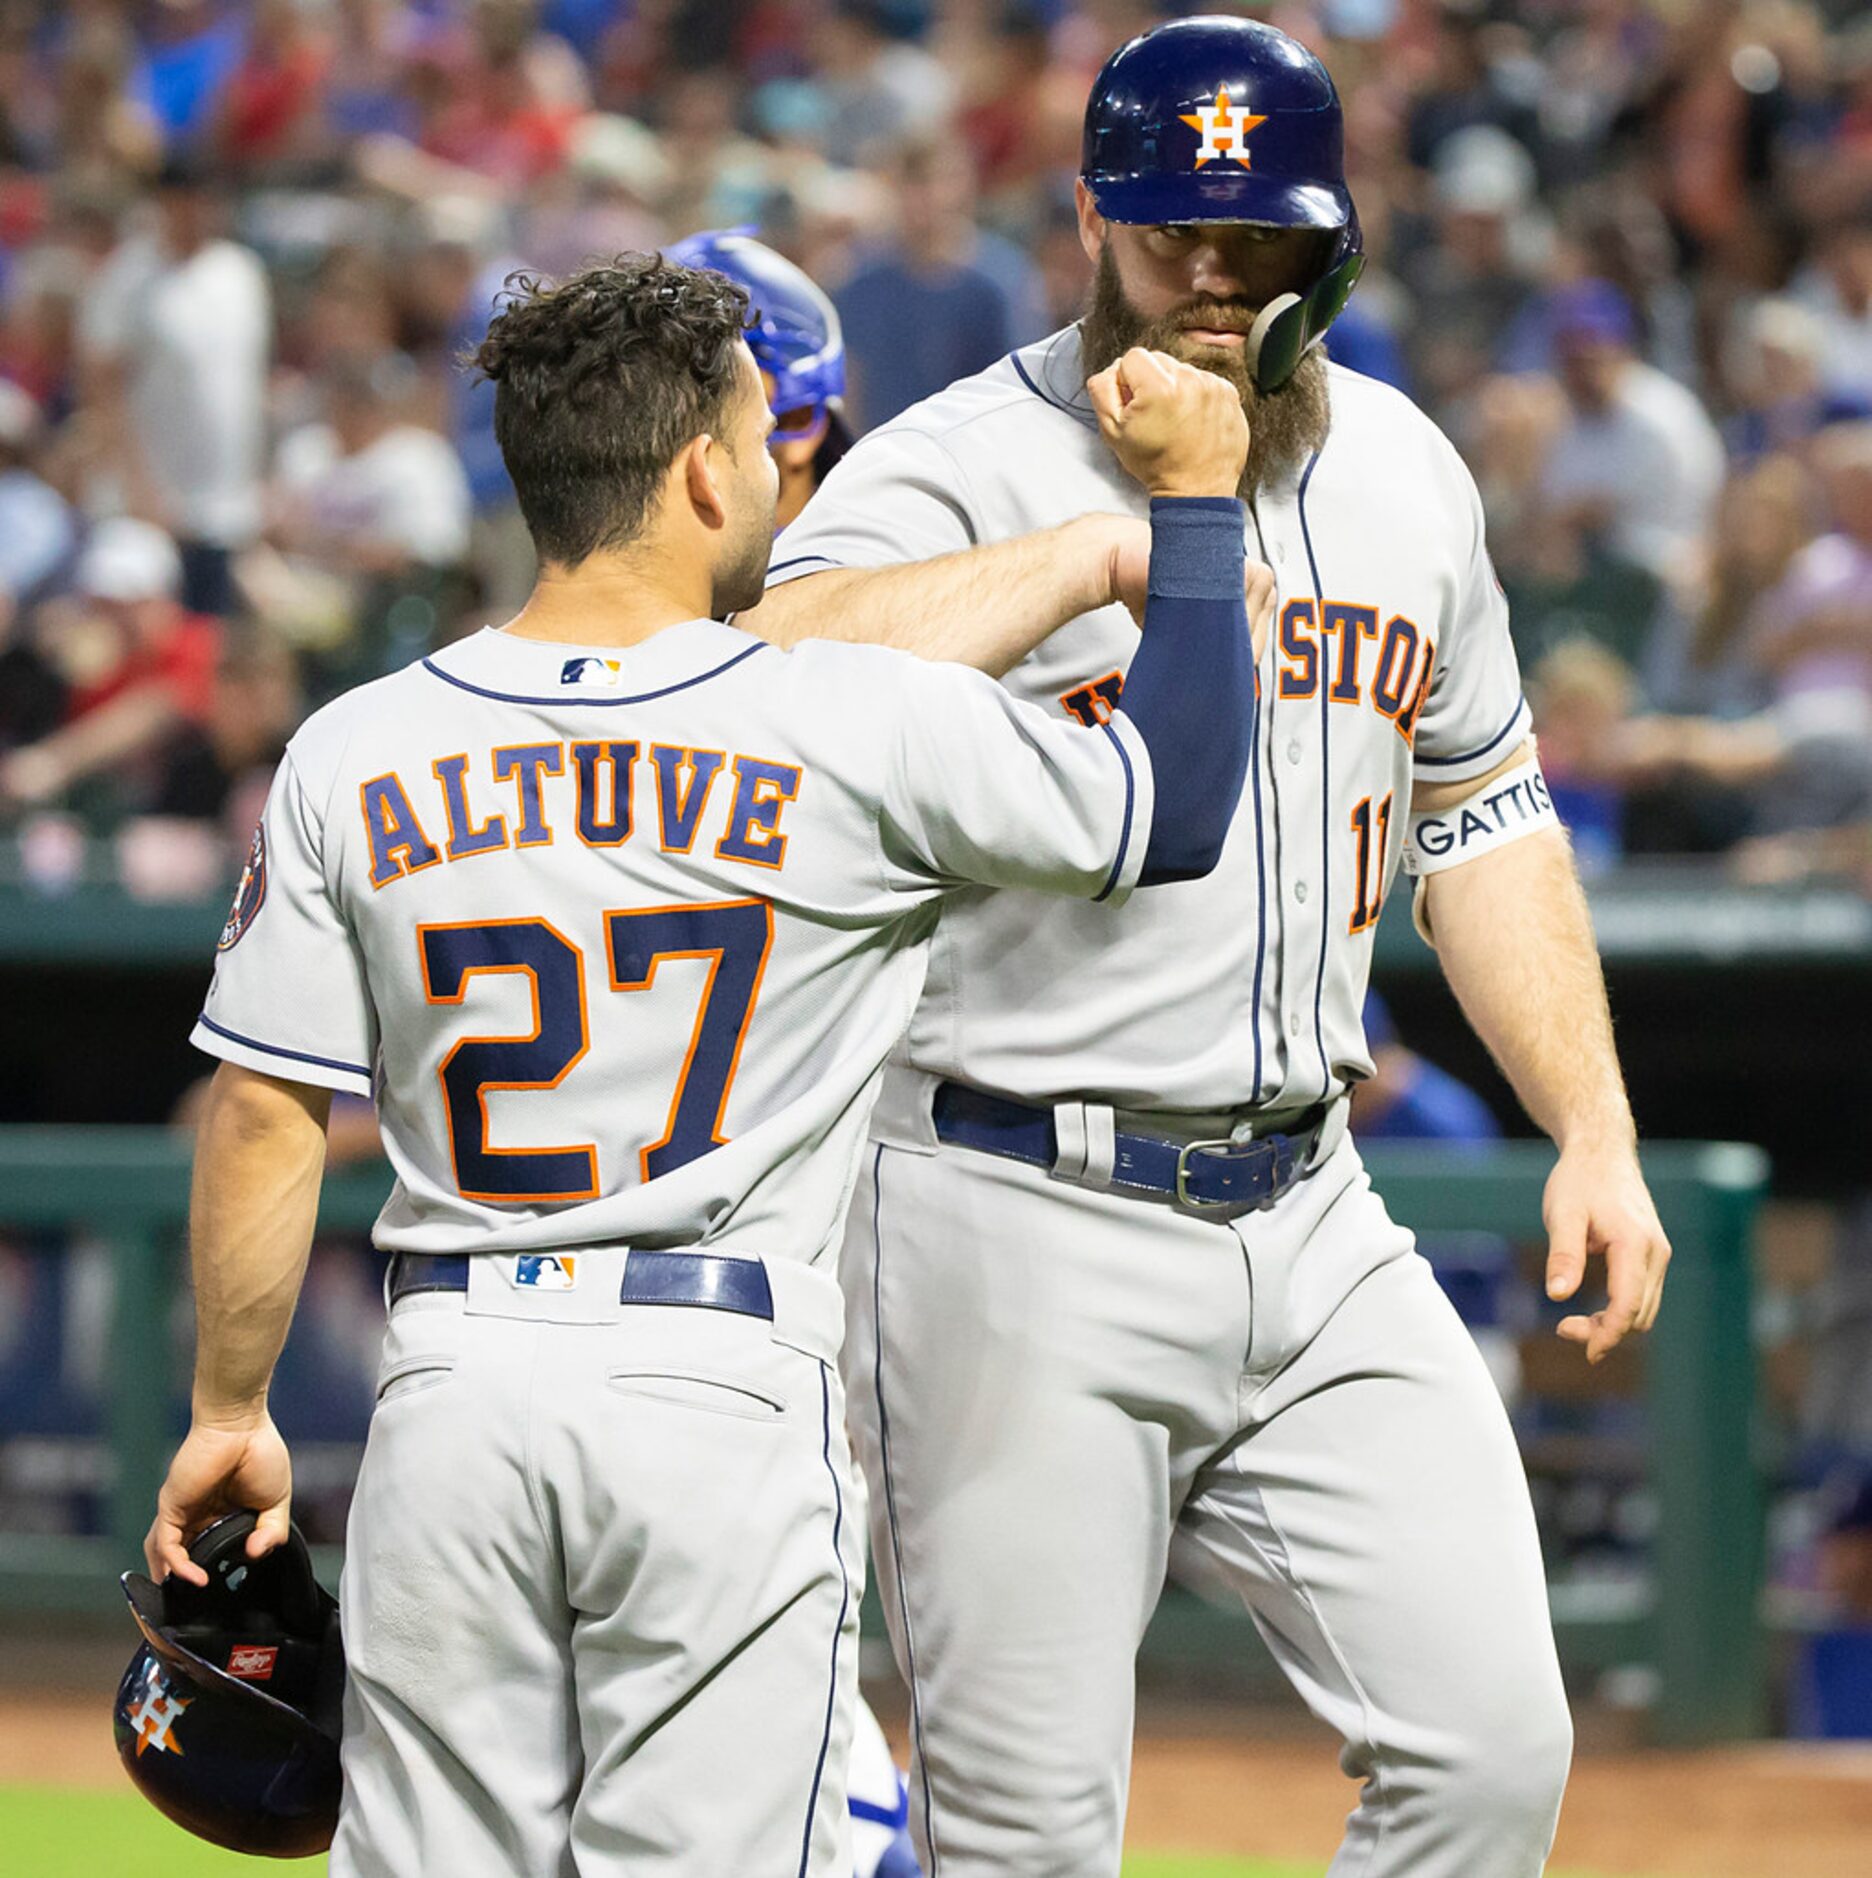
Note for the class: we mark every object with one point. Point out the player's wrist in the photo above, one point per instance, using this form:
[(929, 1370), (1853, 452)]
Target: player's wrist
[(1603, 1132), (224, 1415)]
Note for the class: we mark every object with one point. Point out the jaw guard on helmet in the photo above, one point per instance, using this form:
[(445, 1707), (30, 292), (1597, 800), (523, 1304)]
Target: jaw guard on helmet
[(228, 1718), (1228, 120)]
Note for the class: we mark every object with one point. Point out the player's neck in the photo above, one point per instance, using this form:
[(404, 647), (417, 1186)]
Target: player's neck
[(610, 600)]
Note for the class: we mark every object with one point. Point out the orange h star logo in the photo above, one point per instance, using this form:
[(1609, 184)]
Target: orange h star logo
[(153, 1717), (1224, 130)]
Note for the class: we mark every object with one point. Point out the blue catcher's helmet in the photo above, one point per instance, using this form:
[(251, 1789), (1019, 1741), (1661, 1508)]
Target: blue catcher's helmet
[(1229, 120), (228, 1718), (796, 338)]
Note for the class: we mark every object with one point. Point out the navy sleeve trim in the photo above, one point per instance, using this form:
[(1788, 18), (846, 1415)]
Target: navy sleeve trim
[(801, 560), (1124, 833), (1469, 756), (642, 697), (274, 1049), (1079, 413)]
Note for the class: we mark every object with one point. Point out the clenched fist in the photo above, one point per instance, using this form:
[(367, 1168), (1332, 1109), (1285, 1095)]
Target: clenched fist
[(1176, 428)]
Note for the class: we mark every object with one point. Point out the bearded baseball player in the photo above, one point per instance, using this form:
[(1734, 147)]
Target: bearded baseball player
[(1119, 1288), (617, 911)]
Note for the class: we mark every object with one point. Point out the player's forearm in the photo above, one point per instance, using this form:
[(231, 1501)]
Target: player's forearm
[(987, 607), (1516, 942), (259, 1158)]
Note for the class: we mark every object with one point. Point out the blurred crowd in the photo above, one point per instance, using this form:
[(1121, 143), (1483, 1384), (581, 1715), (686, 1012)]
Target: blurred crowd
[(1621, 250)]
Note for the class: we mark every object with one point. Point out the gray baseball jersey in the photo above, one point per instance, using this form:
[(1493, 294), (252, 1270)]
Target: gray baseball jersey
[(620, 939), (1391, 661)]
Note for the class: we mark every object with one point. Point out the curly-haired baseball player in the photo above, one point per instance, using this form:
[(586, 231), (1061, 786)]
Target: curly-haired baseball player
[(617, 910)]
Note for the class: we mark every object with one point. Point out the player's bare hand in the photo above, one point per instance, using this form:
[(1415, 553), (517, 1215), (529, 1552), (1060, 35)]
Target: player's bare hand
[(1176, 428), (1597, 1205), (217, 1471), (1126, 543)]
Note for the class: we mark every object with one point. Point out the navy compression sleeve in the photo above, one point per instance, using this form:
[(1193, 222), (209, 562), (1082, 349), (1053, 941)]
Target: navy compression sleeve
[(1190, 691)]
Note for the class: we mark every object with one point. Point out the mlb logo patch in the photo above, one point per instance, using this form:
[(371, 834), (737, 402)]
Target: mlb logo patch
[(546, 1271), (253, 1662), (592, 672)]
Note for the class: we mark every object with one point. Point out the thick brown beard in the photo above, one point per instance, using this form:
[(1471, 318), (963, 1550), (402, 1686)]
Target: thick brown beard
[(1285, 427)]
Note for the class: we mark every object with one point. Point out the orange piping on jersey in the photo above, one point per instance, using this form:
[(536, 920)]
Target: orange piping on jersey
[(605, 755), (587, 1148), (1094, 702), (405, 817), (1420, 692), (714, 956), (669, 760), (1354, 624), (465, 840), (1399, 648), (744, 815), (1298, 651), (526, 763)]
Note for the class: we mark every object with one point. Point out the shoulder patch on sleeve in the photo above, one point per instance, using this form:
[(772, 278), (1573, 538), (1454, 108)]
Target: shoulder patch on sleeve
[(249, 895)]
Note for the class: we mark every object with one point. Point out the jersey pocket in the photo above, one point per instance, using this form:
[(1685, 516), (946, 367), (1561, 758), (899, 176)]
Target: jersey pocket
[(700, 1388)]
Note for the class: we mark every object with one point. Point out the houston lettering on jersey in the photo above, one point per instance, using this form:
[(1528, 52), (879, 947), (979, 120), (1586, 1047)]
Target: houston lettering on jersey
[(1357, 662), (1342, 646), (529, 795)]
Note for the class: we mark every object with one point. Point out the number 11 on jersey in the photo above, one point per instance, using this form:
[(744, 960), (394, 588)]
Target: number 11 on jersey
[(1369, 863)]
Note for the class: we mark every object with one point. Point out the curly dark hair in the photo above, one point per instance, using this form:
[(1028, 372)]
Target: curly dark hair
[(600, 380)]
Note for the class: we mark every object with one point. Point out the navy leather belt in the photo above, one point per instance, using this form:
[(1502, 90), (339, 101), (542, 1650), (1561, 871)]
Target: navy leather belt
[(1214, 1179), (704, 1279)]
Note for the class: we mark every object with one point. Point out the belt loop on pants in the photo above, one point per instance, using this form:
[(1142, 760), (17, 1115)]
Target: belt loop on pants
[(1086, 1134), (1216, 1178)]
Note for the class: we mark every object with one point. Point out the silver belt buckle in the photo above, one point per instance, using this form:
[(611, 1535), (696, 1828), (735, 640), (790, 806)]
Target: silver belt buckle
[(1184, 1197)]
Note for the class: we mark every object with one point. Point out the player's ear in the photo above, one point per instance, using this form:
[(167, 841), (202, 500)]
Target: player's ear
[(1092, 224), (704, 469)]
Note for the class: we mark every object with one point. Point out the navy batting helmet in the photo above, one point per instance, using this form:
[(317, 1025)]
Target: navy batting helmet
[(1229, 120), (796, 338), (228, 1717)]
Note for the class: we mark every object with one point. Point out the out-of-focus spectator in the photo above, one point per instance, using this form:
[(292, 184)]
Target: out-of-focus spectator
[(176, 333), (1837, 287), (453, 278), (1774, 379), (606, 201), (941, 300), (190, 49), (369, 509), (1581, 696), (37, 530), (883, 89), (1701, 664), (269, 113), (1470, 281), (216, 770), (1466, 88), (1814, 637), (137, 666), (1639, 464)]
